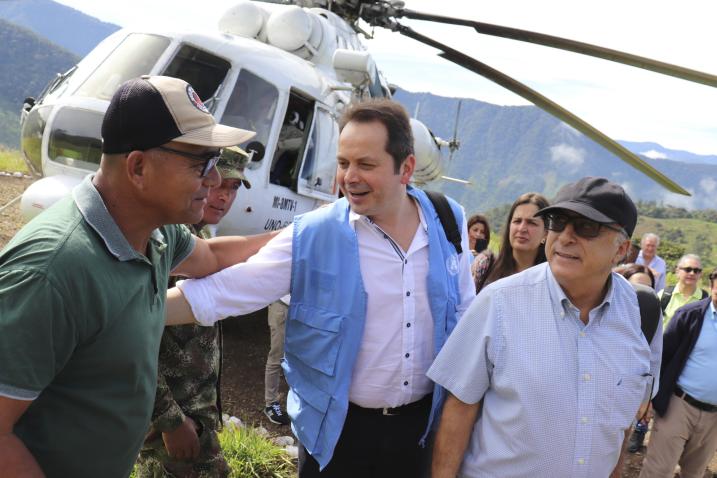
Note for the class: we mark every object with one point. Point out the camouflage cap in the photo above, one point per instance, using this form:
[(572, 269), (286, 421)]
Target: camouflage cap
[(231, 164)]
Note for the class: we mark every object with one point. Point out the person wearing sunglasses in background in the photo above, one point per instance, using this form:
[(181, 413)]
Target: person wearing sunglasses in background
[(553, 357), (83, 286), (687, 289)]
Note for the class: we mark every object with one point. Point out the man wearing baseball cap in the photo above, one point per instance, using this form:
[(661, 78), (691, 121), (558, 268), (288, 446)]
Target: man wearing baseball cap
[(553, 358), (82, 286)]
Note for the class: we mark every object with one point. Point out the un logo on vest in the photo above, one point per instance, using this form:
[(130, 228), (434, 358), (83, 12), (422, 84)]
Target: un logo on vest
[(452, 264)]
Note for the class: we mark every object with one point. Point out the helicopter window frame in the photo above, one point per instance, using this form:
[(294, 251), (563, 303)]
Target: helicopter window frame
[(104, 80), (74, 139), (290, 149), (317, 174), (198, 58)]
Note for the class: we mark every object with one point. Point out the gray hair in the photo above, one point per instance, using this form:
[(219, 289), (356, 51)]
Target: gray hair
[(650, 235), (694, 257)]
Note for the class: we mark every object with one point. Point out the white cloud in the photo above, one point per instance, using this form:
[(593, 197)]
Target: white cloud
[(708, 185), (652, 154), (568, 155), (678, 200)]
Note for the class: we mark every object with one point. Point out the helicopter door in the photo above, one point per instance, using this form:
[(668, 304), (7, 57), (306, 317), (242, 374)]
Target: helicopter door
[(317, 176)]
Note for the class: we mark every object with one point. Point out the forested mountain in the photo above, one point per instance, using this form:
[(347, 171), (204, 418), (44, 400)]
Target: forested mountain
[(62, 25), (28, 62), (508, 150)]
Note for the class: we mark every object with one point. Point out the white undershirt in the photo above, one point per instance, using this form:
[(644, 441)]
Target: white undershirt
[(383, 376)]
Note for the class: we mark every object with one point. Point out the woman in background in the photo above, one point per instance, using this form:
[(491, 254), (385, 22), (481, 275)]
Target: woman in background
[(478, 234), (522, 246)]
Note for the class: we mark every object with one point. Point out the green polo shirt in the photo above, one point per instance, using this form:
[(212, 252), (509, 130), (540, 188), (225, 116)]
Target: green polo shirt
[(81, 317), (676, 301)]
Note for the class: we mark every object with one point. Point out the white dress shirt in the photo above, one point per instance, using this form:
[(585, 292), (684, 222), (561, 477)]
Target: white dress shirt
[(397, 345)]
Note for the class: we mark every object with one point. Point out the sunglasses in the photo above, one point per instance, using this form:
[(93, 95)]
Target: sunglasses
[(696, 270), (210, 159), (582, 226)]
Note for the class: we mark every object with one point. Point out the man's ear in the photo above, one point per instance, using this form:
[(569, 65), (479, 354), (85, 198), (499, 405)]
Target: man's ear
[(136, 168), (408, 166)]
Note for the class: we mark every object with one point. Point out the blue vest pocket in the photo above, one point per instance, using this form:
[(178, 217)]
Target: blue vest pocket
[(307, 406), (312, 336)]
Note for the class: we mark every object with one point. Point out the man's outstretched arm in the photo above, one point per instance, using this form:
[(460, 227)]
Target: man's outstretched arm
[(212, 255), (454, 432)]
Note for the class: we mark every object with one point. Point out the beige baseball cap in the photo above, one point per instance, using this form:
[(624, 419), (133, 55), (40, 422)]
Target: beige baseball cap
[(149, 111)]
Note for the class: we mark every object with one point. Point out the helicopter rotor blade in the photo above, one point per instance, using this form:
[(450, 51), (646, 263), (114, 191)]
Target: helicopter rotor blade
[(571, 45), (545, 104)]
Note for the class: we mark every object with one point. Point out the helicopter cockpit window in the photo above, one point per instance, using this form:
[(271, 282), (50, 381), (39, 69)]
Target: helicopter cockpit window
[(292, 141), (75, 138), (135, 56), (204, 71), (318, 171), (252, 106)]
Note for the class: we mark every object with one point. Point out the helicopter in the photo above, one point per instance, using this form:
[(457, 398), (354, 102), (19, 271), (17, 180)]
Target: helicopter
[(285, 69)]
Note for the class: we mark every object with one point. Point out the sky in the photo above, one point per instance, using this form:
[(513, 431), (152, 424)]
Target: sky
[(623, 102)]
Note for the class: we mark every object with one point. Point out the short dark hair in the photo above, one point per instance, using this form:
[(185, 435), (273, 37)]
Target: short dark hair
[(629, 270), (713, 276), (393, 117), (480, 218)]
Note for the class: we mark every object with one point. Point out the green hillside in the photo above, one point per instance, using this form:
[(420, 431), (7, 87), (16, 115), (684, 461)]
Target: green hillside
[(694, 235), (28, 62)]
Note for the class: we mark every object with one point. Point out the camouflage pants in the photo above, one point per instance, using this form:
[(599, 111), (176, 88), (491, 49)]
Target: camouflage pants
[(155, 462)]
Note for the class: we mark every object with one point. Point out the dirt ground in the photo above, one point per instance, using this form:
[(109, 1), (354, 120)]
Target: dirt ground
[(246, 344)]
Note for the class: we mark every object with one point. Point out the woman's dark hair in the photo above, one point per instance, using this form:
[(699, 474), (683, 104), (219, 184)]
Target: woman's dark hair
[(505, 265), (629, 270), (713, 276), (480, 218)]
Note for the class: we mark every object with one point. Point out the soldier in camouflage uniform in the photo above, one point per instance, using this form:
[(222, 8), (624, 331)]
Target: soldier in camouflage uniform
[(182, 440)]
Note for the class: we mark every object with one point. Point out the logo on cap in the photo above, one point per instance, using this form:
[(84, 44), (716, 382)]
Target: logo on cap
[(196, 100)]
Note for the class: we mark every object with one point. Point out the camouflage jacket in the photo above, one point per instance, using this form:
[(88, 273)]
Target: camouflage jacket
[(188, 374)]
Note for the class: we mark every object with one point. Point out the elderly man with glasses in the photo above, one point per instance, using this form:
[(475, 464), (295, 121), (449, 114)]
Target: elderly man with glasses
[(547, 369), (83, 286)]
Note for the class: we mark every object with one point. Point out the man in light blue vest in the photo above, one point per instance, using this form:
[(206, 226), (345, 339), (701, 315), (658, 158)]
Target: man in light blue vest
[(376, 288)]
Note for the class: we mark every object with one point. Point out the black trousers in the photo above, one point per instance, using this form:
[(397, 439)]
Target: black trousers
[(373, 445)]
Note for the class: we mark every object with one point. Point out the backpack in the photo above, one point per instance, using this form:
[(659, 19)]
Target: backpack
[(646, 298), (667, 296)]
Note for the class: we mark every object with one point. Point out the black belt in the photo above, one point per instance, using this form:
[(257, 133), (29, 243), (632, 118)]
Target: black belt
[(412, 408), (705, 407)]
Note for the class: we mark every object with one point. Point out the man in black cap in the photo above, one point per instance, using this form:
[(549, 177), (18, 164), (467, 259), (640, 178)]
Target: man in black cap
[(553, 358), (82, 286)]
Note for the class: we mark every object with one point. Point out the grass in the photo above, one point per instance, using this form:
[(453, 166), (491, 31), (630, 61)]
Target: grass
[(11, 161), (251, 455)]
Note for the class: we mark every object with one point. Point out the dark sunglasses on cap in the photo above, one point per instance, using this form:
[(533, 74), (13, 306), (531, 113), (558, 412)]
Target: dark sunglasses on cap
[(210, 159), (696, 270), (583, 227)]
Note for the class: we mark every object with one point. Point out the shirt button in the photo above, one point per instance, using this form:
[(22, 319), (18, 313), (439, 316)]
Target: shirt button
[(581, 461), (586, 377), (584, 420), (408, 293), (582, 334), (408, 325), (407, 355), (405, 383), (405, 261)]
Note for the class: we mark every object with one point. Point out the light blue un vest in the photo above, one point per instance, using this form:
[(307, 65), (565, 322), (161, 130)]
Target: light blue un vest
[(327, 313)]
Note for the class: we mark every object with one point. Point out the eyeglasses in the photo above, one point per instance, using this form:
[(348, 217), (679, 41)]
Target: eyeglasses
[(696, 270), (582, 226), (210, 159)]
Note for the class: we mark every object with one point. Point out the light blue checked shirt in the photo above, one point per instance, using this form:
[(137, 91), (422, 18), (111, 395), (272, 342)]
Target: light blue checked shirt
[(558, 394)]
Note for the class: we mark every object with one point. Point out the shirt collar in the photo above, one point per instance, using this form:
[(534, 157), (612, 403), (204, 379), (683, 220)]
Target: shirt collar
[(697, 294), (94, 211), (560, 301)]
